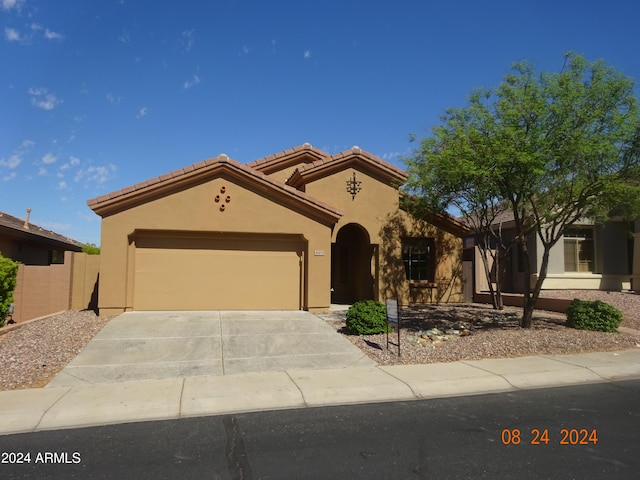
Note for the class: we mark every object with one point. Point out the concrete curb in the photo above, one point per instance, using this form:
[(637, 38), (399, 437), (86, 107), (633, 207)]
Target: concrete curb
[(172, 398)]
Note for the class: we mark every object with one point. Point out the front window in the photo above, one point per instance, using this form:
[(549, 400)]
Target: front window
[(578, 250), (418, 258)]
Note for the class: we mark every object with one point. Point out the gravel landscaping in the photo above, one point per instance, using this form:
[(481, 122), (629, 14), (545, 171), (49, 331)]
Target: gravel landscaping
[(447, 333), (32, 354), (35, 352)]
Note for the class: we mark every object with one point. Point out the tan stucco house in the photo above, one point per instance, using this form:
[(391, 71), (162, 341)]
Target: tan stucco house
[(300, 229)]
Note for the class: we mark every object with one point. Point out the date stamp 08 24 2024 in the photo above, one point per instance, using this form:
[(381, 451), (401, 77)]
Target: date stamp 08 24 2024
[(567, 436)]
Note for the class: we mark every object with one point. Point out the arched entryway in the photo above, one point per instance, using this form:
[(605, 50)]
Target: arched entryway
[(351, 254)]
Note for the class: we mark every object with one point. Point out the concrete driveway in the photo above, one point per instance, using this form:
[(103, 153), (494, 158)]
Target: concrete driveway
[(155, 345)]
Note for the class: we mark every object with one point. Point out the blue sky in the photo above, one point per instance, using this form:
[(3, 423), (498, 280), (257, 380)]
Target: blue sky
[(99, 95)]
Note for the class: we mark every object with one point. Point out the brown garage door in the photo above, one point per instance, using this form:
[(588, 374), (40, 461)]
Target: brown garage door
[(221, 272)]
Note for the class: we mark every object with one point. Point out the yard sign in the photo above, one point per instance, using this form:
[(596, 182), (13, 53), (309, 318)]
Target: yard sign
[(393, 318)]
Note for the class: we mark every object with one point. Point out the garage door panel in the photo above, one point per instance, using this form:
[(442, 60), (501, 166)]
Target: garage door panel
[(201, 278)]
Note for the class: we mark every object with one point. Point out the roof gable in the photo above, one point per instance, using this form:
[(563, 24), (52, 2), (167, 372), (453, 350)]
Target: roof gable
[(279, 161), (354, 157), (154, 188)]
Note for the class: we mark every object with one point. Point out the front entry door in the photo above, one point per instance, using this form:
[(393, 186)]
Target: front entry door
[(351, 278)]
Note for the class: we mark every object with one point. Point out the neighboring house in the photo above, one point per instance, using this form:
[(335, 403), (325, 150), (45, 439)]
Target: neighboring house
[(30, 244), (300, 229), (589, 256)]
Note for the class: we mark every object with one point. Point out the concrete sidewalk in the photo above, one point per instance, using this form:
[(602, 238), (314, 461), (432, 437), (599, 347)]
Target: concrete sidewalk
[(171, 398)]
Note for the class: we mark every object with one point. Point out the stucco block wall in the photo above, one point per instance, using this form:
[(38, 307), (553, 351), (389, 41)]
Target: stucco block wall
[(46, 289), (84, 281), (41, 290)]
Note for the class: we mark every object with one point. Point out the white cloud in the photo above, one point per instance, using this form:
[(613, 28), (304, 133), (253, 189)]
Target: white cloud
[(113, 99), (143, 112), (41, 98), (62, 185), (11, 176), (12, 35), (42, 171), (124, 37), (51, 35), (192, 83), (245, 50), (56, 226), (95, 174), (188, 39), (16, 157), (390, 155), (11, 4), (73, 162), (49, 158), (307, 54), (12, 162)]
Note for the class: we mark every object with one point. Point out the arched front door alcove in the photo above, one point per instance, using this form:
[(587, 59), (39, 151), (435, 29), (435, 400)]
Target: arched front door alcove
[(351, 278)]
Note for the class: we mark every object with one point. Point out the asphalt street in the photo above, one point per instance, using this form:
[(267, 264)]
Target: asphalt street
[(583, 432)]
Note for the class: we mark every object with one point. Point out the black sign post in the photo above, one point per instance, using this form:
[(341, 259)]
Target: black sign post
[(393, 318)]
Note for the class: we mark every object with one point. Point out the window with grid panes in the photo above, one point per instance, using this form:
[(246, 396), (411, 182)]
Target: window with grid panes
[(578, 250), (418, 258)]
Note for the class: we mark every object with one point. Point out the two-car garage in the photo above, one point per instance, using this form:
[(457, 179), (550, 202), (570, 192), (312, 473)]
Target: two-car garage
[(223, 271)]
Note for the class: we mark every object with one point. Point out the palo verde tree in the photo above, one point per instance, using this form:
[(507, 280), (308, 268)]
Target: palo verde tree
[(451, 169), (553, 148)]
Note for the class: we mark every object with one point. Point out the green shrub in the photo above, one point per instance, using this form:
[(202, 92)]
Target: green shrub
[(367, 317), (597, 315), (8, 275), (91, 249)]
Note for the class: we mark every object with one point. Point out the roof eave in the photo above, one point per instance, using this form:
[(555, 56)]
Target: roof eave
[(121, 200)]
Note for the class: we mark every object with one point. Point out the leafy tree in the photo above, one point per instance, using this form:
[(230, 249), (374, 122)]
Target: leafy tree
[(91, 249), (8, 276), (445, 173), (552, 147)]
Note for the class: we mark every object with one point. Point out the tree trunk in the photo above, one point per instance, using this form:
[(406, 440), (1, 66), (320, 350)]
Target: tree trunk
[(498, 266), (496, 298), (527, 304), (527, 314)]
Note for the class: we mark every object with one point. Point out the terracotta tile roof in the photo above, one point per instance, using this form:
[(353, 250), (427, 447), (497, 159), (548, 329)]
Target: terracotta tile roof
[(202, 167), (355, 153), (17, 225), (285, 155)]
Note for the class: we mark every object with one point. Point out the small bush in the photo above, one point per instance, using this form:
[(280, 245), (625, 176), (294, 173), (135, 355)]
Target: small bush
[(367, 317), (597, 315), (91, 249), (8, 276)]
